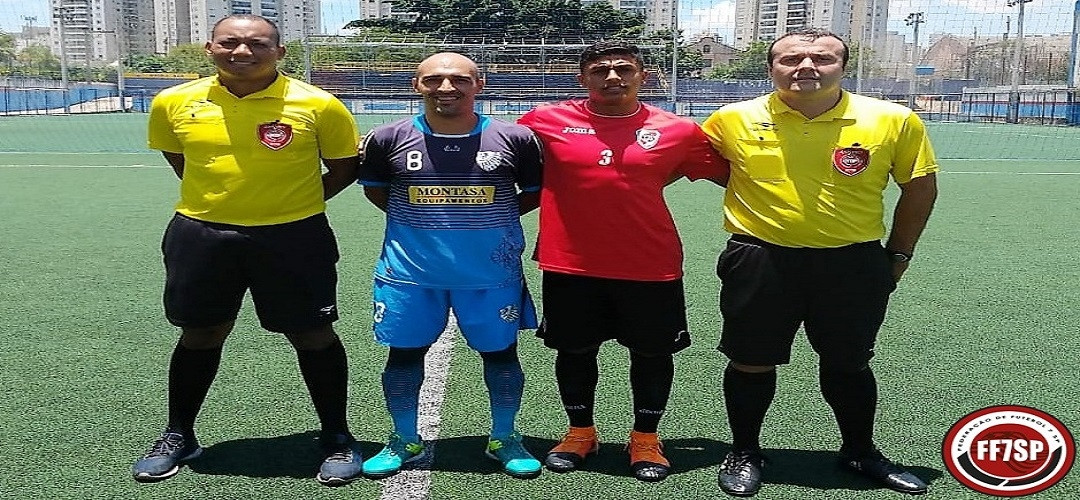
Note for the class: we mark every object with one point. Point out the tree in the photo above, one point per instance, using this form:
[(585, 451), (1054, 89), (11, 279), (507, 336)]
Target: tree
[(189, 58), (293, 62), (38, 60), (752, 64), (602, 20), (870, 65), (689, 60), (145, 63), (7, 53)]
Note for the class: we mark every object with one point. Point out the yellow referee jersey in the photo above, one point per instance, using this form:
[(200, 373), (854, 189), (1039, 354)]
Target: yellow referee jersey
[(254, 160), (816, 183)]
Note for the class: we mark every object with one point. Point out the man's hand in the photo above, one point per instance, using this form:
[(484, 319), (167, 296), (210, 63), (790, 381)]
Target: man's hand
[(898, 270)]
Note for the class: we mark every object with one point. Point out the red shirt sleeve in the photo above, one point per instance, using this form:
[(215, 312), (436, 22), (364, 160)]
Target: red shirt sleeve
[(702, 161)]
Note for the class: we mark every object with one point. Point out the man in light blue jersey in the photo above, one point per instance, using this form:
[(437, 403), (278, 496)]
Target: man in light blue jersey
[(453, 185)]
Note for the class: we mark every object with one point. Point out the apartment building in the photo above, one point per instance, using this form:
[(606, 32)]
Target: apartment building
[(860, 22)]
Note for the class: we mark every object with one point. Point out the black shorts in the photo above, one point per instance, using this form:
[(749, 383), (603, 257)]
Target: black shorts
[(289, 268), (581, 312), (839, 295)]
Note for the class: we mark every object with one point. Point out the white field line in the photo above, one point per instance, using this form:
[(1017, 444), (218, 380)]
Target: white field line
[(61, 153), (414, 483), (83, 166), (1009, 173), (945, 172)]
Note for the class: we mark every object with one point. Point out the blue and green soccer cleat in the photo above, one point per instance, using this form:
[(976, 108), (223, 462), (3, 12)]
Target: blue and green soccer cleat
[(515, 459), (393, 456)]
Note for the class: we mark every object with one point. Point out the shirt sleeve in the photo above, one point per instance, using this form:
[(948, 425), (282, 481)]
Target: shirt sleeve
[(375, 167), (337, 133), (711, 128), (160, 133), (527, 118), (914, 153), (528, 169), (702, 160)]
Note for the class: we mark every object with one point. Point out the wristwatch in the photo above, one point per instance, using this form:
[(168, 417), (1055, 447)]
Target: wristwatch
[(897, 256)]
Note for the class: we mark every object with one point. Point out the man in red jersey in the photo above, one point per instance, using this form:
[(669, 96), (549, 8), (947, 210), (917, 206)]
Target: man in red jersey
[(608, 248)]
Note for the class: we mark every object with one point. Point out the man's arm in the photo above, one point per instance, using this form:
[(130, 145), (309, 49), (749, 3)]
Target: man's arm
[(909, 219), (340, 173), (378, 196), (528, 201), (176, 161)]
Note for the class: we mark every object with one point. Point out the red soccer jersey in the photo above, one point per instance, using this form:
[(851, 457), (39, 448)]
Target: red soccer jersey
[(602, 208)]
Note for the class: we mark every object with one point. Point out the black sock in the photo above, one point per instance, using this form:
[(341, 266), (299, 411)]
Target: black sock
[(747, 396), (853, 398), (577, 375), (326, 375), (191, 371), (650, 382)]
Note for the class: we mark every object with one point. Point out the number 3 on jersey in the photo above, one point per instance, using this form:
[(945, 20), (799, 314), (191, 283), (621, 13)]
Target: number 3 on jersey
[(605, 158), (414, 160)]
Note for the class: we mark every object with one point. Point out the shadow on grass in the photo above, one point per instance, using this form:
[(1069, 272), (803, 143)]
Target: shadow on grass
[(466, 454), (817, 469), (295, 455)]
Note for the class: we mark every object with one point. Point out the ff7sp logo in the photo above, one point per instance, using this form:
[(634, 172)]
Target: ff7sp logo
[(1008, 451)]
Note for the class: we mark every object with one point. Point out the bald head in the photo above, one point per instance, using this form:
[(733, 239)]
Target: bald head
[(448, 61), (449, 83)]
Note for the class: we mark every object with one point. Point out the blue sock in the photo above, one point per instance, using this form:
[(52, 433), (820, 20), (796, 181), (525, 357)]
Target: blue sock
[(401, 380), (505, 383)]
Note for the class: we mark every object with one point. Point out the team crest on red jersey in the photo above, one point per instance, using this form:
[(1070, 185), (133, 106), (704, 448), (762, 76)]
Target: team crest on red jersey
[(647, 137), (851, 161), (275, 135)]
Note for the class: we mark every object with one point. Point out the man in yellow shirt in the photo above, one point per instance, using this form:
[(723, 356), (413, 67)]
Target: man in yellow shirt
[(248, 146), (804, 204)]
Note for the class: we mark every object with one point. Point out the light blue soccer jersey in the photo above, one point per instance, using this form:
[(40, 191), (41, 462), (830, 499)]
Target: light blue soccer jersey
[(452, 218)]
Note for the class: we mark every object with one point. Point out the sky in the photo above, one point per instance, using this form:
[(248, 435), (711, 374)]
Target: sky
[(959, 17)]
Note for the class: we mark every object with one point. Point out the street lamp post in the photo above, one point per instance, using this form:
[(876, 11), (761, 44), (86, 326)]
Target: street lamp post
[(674, 55), (863, 46), (61, 17), (914, 19), (1074, 66), (1018, 47)]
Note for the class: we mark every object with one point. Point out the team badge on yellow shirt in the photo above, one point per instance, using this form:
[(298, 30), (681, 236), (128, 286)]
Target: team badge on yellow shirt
[(851, 161), (275, 135)]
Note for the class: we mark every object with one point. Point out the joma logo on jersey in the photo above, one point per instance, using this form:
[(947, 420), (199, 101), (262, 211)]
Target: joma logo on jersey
[(451, 195), (579, 130)]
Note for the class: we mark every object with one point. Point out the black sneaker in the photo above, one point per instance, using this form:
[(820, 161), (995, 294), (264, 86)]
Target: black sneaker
[(343, 462), (165, 457), (740, 473), (875, 466)]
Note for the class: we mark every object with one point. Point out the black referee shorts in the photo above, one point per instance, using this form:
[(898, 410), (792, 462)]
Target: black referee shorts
[(581, 312), (839, 295), (290, 269)]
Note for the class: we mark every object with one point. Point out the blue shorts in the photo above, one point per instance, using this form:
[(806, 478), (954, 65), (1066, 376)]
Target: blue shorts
[(412, 316)]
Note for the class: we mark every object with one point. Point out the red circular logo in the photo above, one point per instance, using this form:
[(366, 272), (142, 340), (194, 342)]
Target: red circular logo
[(1008, 451)]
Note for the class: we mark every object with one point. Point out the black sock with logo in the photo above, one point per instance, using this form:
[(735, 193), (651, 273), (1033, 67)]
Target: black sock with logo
[(577, 374), (650, 382)]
